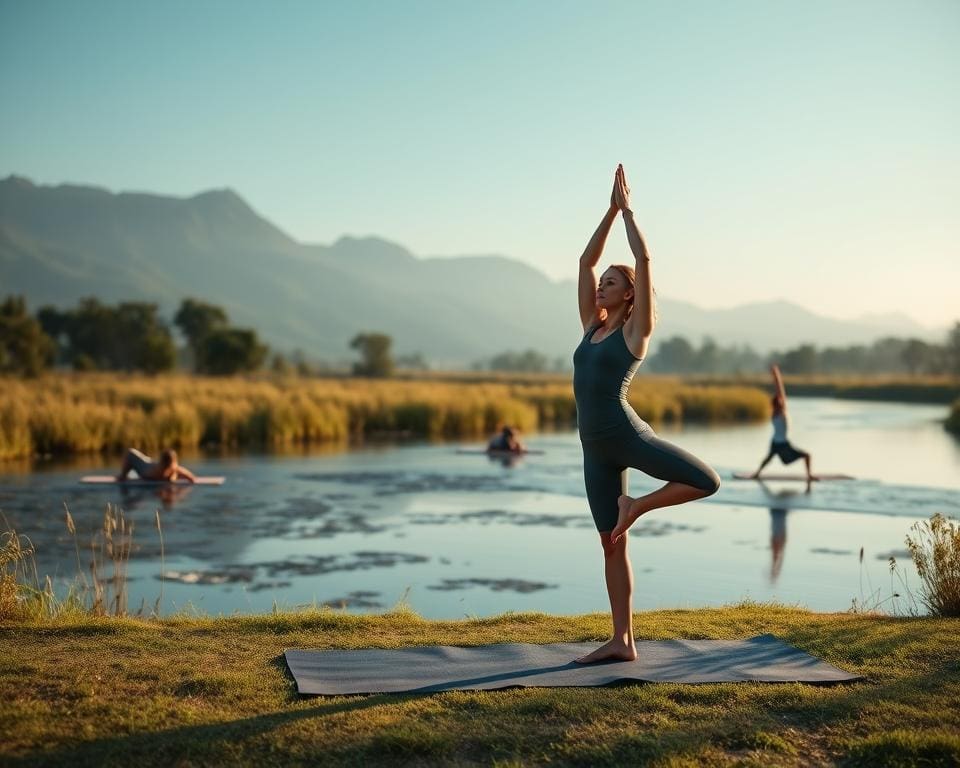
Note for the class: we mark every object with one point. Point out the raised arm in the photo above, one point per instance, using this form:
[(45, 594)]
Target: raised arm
[(778, 382), (587, 285), (639, 326)]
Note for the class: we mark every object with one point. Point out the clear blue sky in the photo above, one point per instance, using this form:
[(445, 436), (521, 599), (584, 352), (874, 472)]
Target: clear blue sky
[(802, 150)]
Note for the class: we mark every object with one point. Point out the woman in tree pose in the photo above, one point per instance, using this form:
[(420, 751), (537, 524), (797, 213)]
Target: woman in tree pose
[(618, 318)]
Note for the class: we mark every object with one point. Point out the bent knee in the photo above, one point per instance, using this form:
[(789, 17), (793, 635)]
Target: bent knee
[(711, 484)]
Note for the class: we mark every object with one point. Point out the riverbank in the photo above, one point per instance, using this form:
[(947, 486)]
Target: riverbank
[(953, 420), (63, 414), (932, 390), (209, 691)]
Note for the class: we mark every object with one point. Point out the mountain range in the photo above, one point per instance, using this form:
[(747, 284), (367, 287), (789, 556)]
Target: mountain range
[(61, 243)]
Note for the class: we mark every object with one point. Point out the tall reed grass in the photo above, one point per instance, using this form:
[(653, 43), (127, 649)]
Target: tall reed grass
[(104, 593), (935, 549), (79, 413)]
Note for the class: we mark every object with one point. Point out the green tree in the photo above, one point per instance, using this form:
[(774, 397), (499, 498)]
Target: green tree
[(374, 350), (196, 320), (916, 355), (674, 355), (953, 349), (413, 362), (708, 356), (127, 337), (529, 361), (24, 347), (803, 359), (226, 351)]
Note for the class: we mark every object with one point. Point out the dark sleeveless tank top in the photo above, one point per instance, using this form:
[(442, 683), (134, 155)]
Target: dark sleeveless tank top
[(602, 373)]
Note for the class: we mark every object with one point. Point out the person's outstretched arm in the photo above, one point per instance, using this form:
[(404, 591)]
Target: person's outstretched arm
[(587, 287), (778, 383), (186, 474), (639, 326)]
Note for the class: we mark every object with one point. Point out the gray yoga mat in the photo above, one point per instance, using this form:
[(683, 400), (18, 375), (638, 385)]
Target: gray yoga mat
[(509, 665)]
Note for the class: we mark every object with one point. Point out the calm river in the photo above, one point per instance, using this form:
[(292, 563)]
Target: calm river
[(457, 535)]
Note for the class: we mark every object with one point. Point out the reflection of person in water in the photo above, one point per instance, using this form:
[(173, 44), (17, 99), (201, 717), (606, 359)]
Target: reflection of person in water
[(778, 527), (778, 540), (780, 446), (168, 494)]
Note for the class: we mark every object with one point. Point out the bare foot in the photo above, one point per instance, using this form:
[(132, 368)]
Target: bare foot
[(627, 514), (614, 649)]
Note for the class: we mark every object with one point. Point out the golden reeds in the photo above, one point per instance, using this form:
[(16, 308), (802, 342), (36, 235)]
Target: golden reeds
[(936, 555), (80, 413)]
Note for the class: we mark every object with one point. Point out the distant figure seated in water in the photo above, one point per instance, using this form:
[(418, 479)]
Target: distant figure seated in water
[(167, 469), (506, 441)]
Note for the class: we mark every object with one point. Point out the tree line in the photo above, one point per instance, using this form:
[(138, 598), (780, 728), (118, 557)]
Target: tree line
[(129, 336), (677, 355), (889, 355), (132, 336)]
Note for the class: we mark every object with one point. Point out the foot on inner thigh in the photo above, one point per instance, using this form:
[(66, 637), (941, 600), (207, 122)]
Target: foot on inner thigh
[(616, 649), (628, 510)]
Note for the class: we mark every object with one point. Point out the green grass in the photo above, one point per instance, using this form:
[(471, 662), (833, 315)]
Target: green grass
[(86, 691)]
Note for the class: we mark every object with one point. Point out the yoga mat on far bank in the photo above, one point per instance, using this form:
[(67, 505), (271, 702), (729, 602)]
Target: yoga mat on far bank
[(511, 665)]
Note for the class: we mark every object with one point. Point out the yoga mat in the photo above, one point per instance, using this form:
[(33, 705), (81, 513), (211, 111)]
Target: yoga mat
[(510, 665), (818, 477), (112, 480), (497, 452)]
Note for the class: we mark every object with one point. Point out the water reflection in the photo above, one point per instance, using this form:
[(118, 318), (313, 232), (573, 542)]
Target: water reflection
[(132, 497), (474, 534), (780, 502)]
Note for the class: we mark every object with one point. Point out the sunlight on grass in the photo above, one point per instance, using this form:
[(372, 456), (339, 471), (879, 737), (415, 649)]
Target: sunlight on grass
[(85, 413)]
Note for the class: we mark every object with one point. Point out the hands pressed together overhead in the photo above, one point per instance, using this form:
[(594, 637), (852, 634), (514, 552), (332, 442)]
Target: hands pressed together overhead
[(620, 196)]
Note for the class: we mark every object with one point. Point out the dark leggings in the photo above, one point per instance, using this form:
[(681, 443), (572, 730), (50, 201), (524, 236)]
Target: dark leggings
[(606, 459)]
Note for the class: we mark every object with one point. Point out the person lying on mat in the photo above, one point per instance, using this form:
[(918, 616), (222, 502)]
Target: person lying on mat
[(780, 446), (167, 469), (507, 440)]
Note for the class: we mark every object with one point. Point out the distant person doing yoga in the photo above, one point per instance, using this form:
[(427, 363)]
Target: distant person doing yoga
[(168, 469), (618, 318), (507, 440), (779, 445)]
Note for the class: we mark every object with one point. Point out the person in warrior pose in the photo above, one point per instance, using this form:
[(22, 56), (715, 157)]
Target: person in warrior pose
[(618, 319), (779, 445)]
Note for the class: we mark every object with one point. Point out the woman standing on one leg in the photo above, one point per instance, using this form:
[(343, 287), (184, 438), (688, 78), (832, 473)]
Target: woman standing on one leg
[(618, 319)]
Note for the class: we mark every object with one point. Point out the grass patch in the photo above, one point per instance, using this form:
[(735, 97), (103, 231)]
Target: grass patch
[(83, 691)]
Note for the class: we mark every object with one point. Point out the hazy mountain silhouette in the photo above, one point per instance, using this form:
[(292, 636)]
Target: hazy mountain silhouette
[(61, 243)]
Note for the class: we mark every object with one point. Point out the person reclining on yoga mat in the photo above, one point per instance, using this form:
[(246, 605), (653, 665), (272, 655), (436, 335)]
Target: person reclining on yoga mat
[(507, 440), (618, 317), (167, 469), (780, 446)]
